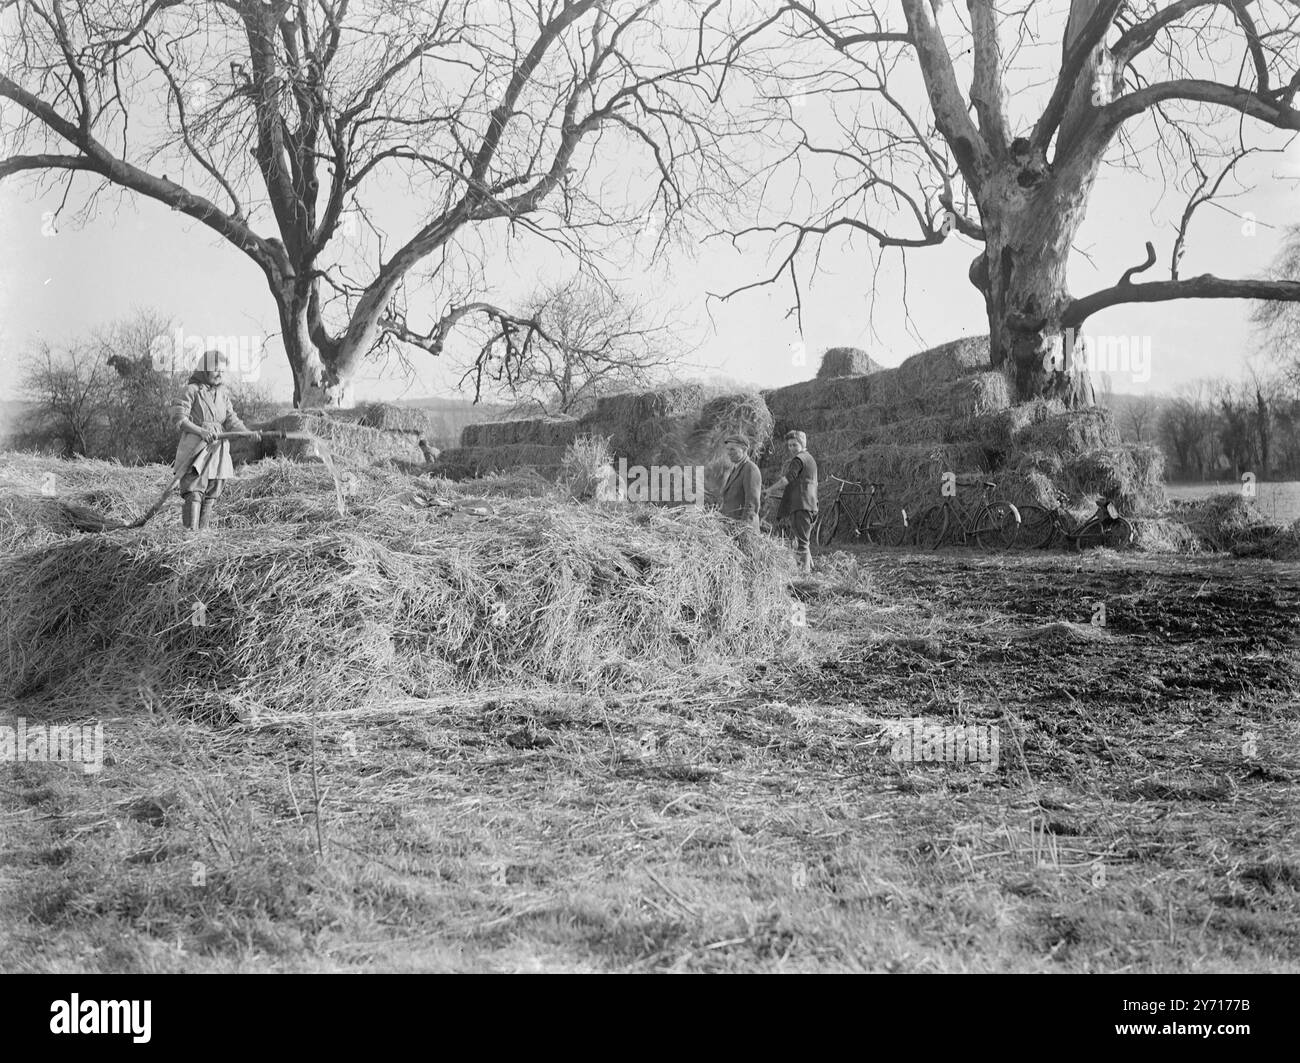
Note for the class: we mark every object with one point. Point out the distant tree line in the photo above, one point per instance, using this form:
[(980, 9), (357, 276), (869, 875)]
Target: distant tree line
[(1220, 429)]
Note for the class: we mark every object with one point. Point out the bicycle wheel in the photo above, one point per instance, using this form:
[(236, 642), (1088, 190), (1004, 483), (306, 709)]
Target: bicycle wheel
[(932, 527), (1117, 534), (827, 525), (996, 526), (885, 524), (1037, 529)]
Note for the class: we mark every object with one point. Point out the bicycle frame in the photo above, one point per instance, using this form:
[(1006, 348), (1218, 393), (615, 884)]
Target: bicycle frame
[(963, 518)]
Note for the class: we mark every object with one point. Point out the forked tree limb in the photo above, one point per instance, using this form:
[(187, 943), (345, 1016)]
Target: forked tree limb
[(1206, 286)]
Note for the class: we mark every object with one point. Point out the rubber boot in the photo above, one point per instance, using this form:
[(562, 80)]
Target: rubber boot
[(189, 513), (205, 508)]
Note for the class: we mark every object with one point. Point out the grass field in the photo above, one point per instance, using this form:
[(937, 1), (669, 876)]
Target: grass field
[(1143, 816), (1279, 502)]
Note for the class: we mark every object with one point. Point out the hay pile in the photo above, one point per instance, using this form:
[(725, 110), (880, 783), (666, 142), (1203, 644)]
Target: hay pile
[(1225, 522), (40, 495), (1229, 521), (845, 361), (404, 597), (1280, 544)]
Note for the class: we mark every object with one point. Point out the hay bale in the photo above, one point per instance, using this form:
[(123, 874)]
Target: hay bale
[(410, 420), (1026, 485), (904, 465), (346, 438), (538, 591), (1048, 464), (456, 463), (1071, 432), (948, 361), (633, 407), (1132, 475), (837, 442), (541, 431), (461, 462), (808, 396), (845, 361), (892, 401), (1159, 535), (638, 423), (1000, 429)]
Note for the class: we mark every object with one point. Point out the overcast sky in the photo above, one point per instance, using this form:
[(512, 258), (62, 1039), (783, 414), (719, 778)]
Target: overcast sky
[(135, 253)]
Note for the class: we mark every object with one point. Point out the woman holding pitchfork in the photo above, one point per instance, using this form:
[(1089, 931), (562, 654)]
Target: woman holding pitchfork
[(204, 410)]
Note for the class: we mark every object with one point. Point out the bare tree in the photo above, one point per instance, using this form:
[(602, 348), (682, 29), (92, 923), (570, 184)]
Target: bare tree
[(581, 340), (1139, 417), (281, 123), (140, 423), (71, 390), (1169, 85), (1187, 431), (1235, 411), (1266, 395)]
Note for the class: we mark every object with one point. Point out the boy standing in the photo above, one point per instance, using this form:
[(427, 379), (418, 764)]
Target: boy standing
[(799, 500)]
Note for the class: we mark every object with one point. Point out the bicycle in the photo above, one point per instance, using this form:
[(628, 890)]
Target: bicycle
[(883, 523), (994, 526), (1039, 526)]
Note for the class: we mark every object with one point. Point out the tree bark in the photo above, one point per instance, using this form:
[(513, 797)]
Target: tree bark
[(316, 383), (1030, 220)]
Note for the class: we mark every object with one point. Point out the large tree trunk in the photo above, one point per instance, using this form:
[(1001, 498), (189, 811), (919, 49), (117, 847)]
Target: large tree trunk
[(315, 382), (1030, 218)]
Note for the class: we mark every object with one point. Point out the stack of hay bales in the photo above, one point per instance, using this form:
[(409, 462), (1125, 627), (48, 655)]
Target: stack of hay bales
[(942, 411), (945, 411), (645, 426), (497, 446), (682, 424), (373, 432)]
